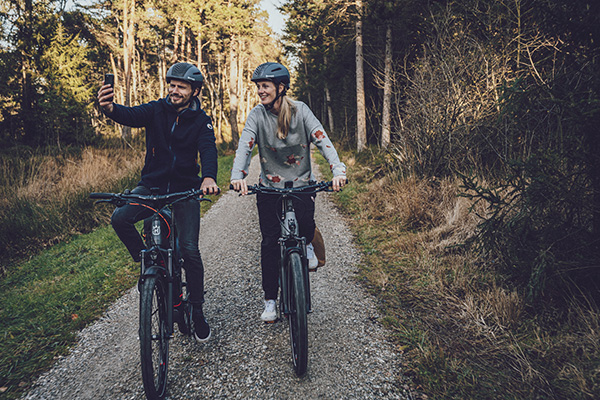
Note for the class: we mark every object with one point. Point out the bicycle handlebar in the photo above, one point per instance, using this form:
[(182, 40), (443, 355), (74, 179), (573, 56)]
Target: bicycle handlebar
[(153, 198), (323, 186)]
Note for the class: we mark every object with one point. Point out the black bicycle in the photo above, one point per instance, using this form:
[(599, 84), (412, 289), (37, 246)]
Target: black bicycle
[(294, 282), (162, 284)]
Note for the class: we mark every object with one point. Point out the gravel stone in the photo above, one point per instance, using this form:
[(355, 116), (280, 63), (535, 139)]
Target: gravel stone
[(349, 354)]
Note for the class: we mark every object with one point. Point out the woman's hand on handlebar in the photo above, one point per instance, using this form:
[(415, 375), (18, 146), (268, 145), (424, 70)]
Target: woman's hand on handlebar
[(240, 185), (338, 182)]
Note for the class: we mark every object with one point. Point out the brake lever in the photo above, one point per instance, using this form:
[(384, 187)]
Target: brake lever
[(102, 201)]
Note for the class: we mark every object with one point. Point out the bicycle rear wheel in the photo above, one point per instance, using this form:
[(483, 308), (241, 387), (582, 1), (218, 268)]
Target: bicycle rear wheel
[(298, 314), (154, 337)]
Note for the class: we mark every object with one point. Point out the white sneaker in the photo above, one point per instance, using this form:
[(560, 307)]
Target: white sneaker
[(270, 313), (313, 262)]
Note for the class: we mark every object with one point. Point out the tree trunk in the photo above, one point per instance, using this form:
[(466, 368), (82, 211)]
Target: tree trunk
[(233, 92), (387, 89), (176, 35), (26, 30), (128, 44), (309, 93), (162, 73), (219, 97), (361, 118), (328, 101), (199, 56)]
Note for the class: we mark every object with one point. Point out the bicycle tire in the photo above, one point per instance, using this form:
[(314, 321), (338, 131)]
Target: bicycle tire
[(154, 337), (298, 314)]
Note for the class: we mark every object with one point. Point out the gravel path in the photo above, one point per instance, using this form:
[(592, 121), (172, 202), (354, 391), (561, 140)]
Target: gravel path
[(349, 356)]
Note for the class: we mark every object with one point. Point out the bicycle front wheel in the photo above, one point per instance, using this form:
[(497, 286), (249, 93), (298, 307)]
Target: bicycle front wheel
[(154, 337), (298, 313)]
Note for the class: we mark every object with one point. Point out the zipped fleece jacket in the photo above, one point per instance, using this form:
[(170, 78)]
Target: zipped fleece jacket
[(173, 141)]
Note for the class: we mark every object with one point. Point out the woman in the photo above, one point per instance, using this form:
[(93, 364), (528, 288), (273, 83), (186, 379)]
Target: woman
[(283, 129)]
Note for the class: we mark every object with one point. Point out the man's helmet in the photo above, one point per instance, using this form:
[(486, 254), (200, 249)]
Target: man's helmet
[(186, 72), (273, 72)]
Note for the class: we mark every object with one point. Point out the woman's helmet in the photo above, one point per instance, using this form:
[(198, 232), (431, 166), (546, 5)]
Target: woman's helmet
[(273, 72), (186, 72)]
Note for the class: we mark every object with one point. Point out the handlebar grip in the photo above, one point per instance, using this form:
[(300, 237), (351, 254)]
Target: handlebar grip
[(101, 195)]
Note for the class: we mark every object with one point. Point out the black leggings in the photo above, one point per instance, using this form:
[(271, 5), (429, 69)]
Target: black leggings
[(269, 211)]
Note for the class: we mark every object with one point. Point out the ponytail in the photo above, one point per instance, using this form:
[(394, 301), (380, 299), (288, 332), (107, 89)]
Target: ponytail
[(284, 119)]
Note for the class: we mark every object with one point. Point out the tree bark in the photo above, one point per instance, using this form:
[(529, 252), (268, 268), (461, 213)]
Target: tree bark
[(387, 90), (361, 118)]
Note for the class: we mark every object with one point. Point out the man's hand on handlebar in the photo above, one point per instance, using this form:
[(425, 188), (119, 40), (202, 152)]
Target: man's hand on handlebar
[(209, 186), (240, 185)]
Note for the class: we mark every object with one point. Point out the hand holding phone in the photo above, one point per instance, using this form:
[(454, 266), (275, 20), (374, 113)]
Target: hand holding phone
[(105, 96)]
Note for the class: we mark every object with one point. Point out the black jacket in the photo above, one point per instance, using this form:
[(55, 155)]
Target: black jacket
[(173, 141)]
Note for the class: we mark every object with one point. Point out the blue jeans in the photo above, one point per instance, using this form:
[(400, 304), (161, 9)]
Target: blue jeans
[(186, 217)]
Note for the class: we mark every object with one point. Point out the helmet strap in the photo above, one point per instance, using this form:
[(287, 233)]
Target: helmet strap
[(270, 106)]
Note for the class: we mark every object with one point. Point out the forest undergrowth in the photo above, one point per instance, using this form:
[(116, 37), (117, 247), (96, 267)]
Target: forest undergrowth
[(465, 331)]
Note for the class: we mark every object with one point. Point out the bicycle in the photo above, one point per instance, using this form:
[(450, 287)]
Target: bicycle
[(294, 300), (161, 284)]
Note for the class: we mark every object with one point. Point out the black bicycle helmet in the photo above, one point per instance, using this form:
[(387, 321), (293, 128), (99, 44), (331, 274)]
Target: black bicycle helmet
[(186, 72), (273, 72)]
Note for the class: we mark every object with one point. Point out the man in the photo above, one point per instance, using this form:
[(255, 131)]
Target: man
[(177, 129)]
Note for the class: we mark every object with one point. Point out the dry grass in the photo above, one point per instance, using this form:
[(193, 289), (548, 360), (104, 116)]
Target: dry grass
[(465, 331), (44, 197), (51, 178)]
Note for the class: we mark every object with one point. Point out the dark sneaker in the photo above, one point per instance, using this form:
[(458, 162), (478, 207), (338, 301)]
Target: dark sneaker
[(201, 328)]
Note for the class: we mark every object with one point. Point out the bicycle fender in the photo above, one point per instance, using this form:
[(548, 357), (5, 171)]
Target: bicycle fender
[(154, 270)]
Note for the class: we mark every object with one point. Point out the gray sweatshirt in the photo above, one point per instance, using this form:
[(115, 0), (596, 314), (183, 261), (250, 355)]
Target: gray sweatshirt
[(287, 159)]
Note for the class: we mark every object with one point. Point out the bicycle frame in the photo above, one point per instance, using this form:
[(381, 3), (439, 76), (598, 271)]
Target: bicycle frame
[(157, 284), (290, 241), (155, 248), (155, 252)]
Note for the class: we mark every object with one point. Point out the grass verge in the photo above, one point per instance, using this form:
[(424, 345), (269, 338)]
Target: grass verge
[(46, 300), (464, 331)]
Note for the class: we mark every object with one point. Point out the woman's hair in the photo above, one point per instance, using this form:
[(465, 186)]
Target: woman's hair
[(286, 111)]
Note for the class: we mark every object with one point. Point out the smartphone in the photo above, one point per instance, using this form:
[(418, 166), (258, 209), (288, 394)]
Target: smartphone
[(109, 79)]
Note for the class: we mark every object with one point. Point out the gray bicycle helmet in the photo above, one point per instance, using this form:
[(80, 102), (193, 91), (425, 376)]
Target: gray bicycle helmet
[(273, 72), (186, 72)]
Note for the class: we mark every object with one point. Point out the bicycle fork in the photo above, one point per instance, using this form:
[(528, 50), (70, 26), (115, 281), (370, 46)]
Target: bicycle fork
[(166, 274)]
